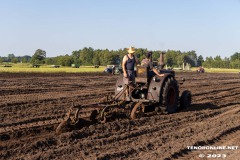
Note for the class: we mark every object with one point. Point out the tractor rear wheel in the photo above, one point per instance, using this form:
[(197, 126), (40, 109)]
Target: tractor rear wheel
[(170, 95)]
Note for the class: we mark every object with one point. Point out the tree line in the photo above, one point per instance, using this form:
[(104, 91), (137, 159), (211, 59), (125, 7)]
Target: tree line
[(13, 59), (89, 56), (218, 62)]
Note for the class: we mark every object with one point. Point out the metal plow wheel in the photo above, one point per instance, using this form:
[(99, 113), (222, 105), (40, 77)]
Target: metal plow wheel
[(99, 114), (68, 123), (137, 111), (63, 126), (103, 115), (94, 115)]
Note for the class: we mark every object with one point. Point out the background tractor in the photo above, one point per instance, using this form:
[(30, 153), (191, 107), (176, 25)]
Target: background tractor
[(200, 69), (147, 94), (113, 69)]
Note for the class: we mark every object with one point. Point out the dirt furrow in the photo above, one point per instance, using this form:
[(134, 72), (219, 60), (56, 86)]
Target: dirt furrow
[(31, 106)]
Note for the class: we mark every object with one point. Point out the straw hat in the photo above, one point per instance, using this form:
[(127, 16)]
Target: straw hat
[(131, 50)]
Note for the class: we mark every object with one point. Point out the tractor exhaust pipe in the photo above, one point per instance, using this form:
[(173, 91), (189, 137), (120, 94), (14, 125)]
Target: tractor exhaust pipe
[(161, 60)]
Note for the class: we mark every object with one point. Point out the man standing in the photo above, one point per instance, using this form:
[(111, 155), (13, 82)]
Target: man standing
[(128, 64)]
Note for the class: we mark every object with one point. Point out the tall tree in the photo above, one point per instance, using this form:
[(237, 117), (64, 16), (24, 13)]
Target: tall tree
[(76, 57), (14, 60), (170, 62), (235, 56), (208, 62), (1, 59), (86, 56), (200, 60), (50, 61), (193, 56), (10, 57), (26, 59), (39, 57), (170, 58), (96, 60), (218, 62)]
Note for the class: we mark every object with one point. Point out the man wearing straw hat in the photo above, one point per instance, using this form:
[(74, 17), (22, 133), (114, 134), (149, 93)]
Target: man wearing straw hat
[(128, 64)]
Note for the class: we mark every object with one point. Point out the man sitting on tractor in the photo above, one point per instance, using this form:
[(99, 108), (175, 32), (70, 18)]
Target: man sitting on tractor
[(148, 63)]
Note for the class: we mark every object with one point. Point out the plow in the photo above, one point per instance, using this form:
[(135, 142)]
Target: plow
[(147, 94)]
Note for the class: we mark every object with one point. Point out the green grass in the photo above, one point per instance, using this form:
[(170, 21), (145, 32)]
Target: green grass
[(18, 68), (23, 67), (218, 70)]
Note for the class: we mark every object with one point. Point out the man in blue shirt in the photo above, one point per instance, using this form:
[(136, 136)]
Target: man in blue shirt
[(128, 64)]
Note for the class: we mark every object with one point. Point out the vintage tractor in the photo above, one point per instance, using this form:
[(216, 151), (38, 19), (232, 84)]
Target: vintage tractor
[(200, 70), (147, 94), (113, 69)]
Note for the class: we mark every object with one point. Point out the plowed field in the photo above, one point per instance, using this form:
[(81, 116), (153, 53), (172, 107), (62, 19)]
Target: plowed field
[(32, 105)]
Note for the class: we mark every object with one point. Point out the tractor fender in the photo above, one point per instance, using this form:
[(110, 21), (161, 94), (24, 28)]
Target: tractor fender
[(155, 86)]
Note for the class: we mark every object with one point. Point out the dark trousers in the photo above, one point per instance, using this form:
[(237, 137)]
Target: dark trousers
[(151, 74)]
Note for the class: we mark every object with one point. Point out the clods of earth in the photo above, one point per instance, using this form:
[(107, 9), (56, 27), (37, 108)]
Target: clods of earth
[(32, 105)]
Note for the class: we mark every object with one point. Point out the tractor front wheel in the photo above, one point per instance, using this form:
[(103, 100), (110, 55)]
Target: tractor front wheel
[(185, 100)]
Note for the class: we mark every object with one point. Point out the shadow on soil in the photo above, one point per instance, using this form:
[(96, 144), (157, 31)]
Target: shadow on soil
[(206, 106), (200, 107)]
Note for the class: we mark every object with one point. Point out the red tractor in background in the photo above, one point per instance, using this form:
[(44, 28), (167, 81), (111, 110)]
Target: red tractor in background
[(200, 70)]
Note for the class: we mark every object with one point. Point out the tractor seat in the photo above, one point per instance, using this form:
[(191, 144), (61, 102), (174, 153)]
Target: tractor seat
[(142, 74)]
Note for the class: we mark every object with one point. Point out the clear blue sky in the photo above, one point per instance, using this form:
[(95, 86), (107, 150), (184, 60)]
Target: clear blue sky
[(210, 27)]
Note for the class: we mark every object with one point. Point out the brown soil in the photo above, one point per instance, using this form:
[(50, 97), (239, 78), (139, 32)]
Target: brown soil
[(32, 105)]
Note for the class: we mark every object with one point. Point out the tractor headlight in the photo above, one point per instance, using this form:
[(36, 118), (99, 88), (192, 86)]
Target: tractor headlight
[(142, 96), (154, 79)]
